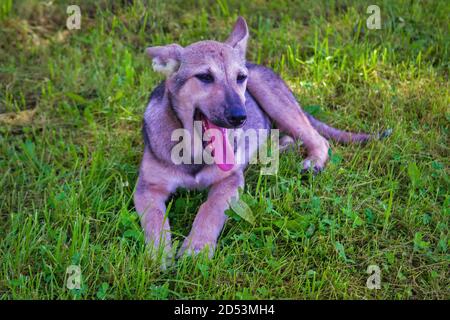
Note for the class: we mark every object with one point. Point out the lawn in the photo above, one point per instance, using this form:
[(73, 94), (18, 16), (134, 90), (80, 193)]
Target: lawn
[(71, 107)]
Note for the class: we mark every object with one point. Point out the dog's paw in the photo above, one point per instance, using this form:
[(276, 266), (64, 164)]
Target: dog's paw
[(312, 165), (195, 245), (161, 252), (159, 243), (317, 156), (315, 164)]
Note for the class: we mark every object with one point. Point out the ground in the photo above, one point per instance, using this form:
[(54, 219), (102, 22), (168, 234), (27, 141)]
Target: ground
[(71, 107)]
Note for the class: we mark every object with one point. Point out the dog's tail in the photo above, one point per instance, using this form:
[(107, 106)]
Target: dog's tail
[(344, 136)]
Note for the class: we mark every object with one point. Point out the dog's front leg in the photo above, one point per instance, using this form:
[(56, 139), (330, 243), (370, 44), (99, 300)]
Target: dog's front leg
[(211, 217), (149, 201), (279, 103)]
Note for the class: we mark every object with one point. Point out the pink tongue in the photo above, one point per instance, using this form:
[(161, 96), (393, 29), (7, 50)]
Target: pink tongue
[(222, 152)]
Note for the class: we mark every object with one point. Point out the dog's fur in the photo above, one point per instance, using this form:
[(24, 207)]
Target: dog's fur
[(263, 96)]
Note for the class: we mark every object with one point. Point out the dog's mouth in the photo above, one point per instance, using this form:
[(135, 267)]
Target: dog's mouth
[(215, 138)]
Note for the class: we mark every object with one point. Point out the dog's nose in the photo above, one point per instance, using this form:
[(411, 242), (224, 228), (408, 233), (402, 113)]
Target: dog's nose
[(236, 116)]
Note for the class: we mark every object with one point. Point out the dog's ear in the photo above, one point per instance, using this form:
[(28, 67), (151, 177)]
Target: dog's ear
[(166, 59), (239, 36)]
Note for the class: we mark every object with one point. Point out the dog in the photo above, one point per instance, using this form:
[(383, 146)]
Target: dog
[(211, 82)]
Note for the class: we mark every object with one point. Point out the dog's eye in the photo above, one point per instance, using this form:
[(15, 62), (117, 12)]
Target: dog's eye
[(241, 78), (205, 77)]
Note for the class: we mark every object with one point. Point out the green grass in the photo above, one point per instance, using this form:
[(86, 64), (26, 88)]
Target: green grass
[(67, 176)]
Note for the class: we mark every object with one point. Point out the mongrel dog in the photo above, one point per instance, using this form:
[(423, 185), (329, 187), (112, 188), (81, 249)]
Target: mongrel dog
[(211, 82)]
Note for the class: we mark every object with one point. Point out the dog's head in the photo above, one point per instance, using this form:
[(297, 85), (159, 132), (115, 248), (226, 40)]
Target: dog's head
[(207, 80)]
